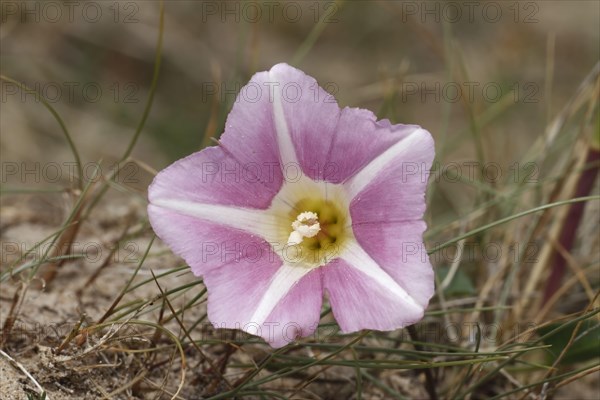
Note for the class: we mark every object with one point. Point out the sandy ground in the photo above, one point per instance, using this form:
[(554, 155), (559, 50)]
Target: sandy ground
[(47, 316)]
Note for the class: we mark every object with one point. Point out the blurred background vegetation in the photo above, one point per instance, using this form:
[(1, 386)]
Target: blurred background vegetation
[(369, 52), (527, 76)]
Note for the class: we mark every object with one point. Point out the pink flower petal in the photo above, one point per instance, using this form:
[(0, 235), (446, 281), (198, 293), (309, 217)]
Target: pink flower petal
[(211, 176), (329, 144), (202, 244), (359, 301), (195, 207), (391, 188), (311, 115), (236, 289), (398, 248), (250, 135), (359, 139), (261, 300), (388, 209), (297, 314)]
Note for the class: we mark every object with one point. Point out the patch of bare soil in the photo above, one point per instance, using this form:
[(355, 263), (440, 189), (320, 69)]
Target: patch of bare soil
[(93, 363)]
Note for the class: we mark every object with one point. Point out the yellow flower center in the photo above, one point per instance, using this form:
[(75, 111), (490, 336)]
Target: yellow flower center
[(313, 222)]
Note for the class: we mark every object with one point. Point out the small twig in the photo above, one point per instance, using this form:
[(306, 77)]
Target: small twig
[(577, 377), (20, 366), (74, 332), (12, 314), (429, 380), (455, 264)]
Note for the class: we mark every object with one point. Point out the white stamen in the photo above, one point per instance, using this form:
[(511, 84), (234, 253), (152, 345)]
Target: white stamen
[(295, 238), (305, 225)]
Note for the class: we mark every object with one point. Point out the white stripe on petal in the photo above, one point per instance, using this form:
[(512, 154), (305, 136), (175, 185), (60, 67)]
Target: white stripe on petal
[(284, 138), (369, 172), (358, 258), (283, 281), (253, 221)]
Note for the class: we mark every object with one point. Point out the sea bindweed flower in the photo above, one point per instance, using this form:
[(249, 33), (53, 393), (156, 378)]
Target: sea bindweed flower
[(302, 198)]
